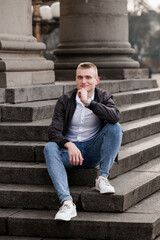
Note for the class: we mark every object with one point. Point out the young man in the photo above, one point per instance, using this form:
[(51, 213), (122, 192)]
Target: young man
[(84, 133)]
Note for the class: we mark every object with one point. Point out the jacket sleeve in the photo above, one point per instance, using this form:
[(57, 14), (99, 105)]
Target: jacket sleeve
[(105, 109), (55, 131)]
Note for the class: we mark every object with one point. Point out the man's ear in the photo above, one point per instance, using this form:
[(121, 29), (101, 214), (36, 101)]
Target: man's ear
[(97, 80)]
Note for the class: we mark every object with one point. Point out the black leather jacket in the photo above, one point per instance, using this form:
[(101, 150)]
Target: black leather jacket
[(102, 106)]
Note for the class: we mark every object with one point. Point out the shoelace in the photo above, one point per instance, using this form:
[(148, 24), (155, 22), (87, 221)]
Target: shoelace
[(106, 181), (64, 207)]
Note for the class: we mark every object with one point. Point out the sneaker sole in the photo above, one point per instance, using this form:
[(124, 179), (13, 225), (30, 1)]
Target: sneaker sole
[(110, 192), (66, 219)]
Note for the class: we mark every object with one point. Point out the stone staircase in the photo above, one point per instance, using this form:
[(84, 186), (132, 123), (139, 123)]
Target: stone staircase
[(28, 201)]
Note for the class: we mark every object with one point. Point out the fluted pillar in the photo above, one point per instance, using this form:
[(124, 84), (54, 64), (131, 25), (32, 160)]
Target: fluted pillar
[(96, 31), (21, 60)]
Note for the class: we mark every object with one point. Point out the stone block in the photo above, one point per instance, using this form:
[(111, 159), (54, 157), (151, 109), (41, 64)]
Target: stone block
[(2, 95), (86, 225), (141, 110), (16, 152), (14, 79), (135, 154), (130, 188), (34, 197), (138, 129), (27, 112), (33, 93), (82, 177), (19, 238), (24, 173), (133, 97), (4, 214), (15, 132)]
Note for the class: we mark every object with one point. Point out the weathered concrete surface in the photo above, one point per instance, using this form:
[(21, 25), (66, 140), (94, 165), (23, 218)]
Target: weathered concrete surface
[(27, 112), (17, 151), (141, 128), (50, 91), (130, 188), (4, 214), (34, 93), (131, 97), (135, 154), (2, 95), (35, 196), (38, 130), (19, 238), (140, 110), (90, 225)]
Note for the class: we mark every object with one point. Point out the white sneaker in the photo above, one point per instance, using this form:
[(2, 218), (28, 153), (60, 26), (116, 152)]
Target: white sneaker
[(103, 185), (66, 211)]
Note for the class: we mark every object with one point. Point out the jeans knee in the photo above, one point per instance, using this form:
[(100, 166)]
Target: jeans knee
[(115, 129), (50, 147)]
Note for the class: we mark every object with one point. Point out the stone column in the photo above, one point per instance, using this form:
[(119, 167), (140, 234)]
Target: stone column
[(21, 61), (96, 31)]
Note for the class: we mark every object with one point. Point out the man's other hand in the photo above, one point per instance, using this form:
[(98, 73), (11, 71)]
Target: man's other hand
[(75, 156)]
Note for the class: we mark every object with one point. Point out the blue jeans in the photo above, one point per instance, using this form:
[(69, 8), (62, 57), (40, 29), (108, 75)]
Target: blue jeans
[(100, 150)]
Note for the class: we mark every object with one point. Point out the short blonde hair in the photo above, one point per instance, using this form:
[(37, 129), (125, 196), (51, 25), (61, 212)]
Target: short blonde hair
[(85, 65)]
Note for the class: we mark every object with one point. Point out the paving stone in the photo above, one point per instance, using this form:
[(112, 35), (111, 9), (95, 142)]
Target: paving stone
[(88, 225)]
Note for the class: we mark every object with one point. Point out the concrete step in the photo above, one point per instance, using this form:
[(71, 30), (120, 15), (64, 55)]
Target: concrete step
[(140, 222), (35, 196), (35, 238), (26, 159), (140, 128), (51, 91), (138, 96), (38, 130), (36, 173), (22, 151), (33, 93), (27, 112), (131, 188), (19, 238), (135, 154), (32, 111), (140, 110)]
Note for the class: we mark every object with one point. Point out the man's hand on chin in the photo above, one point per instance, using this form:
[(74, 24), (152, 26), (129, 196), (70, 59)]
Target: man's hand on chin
[(83, 95)]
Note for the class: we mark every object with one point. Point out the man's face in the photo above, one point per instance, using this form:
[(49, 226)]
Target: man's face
[(86, 78)]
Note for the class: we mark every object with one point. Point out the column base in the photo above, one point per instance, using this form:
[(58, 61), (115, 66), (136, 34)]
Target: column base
[(110, 74), (22, 64)]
